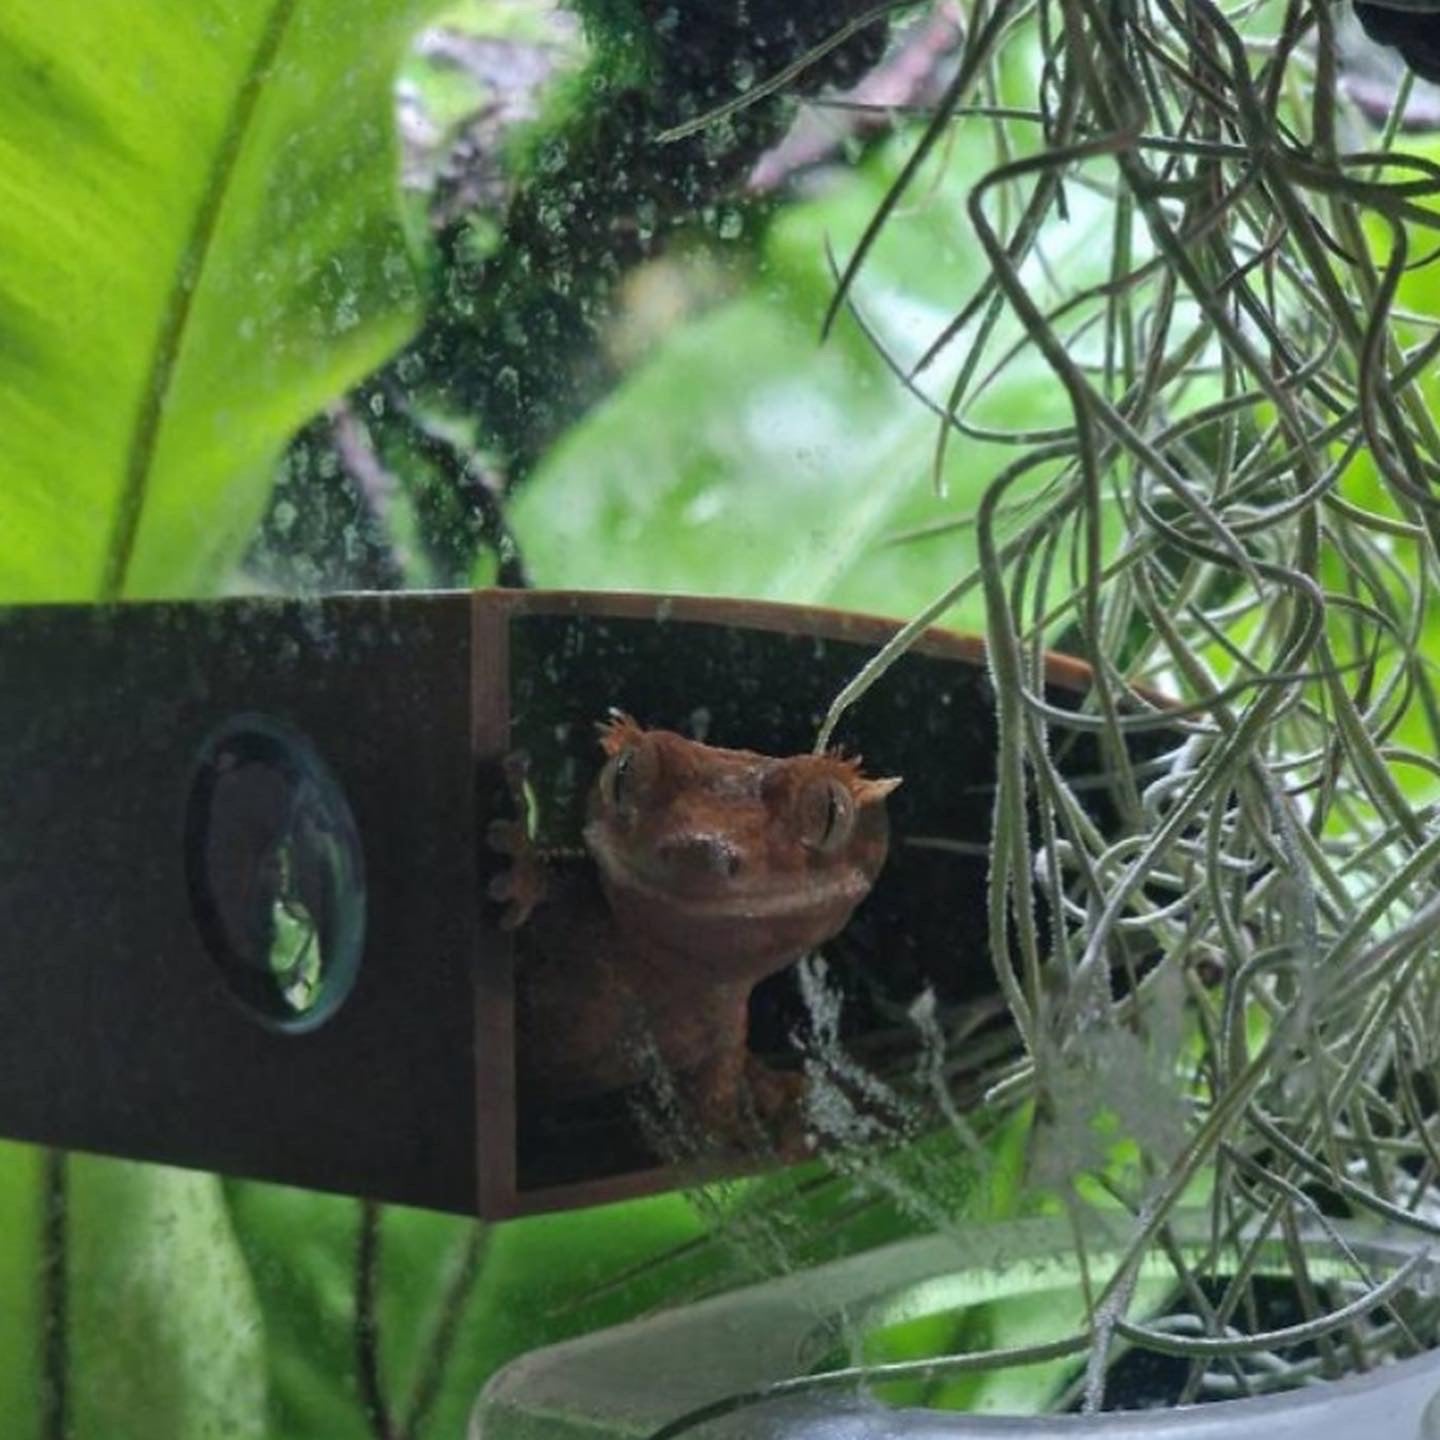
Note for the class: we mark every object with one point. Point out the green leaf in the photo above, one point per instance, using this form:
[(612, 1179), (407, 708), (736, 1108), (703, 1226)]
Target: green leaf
[(199, 219), (20, 1315), (539, 1280), (746, 458), (163, 1332)]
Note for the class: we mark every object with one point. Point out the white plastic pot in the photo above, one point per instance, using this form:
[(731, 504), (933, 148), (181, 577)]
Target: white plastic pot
[(634, 1379)]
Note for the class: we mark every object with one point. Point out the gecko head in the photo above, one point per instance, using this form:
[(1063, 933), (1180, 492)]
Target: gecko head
[(744, 861)]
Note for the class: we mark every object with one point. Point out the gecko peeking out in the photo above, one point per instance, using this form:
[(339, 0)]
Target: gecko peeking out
[(714, 869)]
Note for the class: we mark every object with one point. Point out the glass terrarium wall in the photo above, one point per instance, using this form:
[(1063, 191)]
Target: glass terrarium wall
[(1100, 333)]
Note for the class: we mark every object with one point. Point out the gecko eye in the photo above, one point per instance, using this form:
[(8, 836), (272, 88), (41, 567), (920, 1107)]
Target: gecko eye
[(827, 815), (627, 777)]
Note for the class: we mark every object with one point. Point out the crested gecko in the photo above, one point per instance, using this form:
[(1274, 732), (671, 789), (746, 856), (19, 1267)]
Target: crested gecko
[(716, 868)]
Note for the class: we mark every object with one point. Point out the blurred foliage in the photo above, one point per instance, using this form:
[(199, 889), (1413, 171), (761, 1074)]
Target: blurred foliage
[(527, 277), (532, 1282), (162, 1331), (743, 457), (202, 246)]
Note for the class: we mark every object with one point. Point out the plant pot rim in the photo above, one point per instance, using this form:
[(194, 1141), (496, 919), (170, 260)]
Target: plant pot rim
[(750, 1338)]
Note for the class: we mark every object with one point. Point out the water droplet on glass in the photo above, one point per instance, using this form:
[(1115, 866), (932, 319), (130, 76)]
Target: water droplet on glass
[(284, 516)]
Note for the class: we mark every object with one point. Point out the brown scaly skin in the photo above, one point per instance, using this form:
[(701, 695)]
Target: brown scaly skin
[(716, 868)]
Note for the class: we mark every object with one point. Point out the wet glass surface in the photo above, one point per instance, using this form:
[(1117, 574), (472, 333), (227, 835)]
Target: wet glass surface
[(1095, 329)]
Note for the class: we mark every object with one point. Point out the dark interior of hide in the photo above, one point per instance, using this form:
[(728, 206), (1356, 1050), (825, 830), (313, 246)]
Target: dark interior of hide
[(931, 720)]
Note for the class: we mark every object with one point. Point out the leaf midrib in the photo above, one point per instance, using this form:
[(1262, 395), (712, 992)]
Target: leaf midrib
[(140, 454)]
